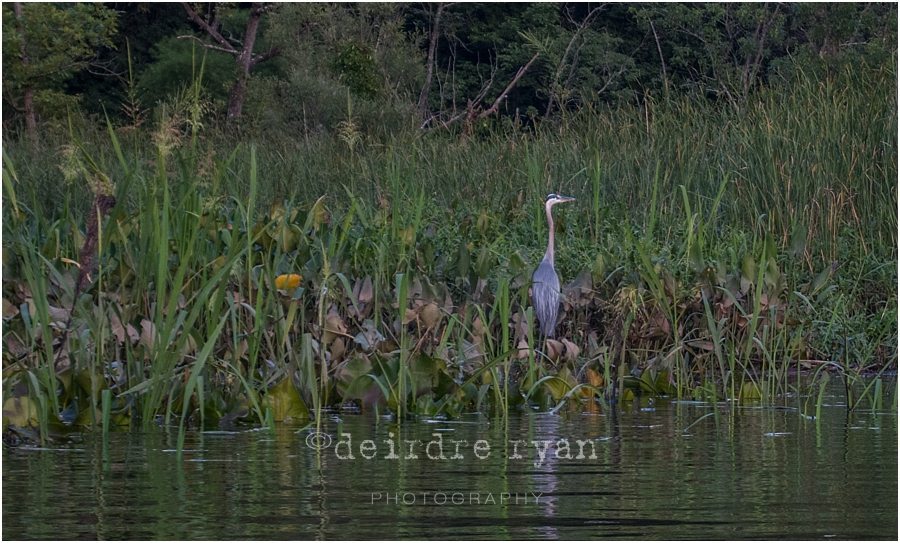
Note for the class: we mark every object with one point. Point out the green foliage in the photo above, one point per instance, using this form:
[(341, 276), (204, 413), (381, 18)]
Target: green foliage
[(711, 251), (590, 55), (355, 67), (328, 50), (727, 50), (176, 64), (49, 44)]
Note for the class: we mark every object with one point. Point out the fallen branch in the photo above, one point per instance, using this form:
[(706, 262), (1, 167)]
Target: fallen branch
[(474, 110), (496, 105)]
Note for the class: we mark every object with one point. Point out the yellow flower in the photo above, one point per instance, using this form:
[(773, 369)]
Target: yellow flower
[(288, 281)]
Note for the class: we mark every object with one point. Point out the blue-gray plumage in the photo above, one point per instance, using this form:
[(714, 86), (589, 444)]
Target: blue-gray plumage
[(545, 281)]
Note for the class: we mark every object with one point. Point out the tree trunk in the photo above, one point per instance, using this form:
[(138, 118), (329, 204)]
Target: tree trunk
[(662, 59), (429, 67), (30, 118), (244, 63), (28, 91), (236, 98), (243, 57)]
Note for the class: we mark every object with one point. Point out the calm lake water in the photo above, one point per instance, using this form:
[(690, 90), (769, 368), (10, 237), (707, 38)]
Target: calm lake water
[(660, 472)]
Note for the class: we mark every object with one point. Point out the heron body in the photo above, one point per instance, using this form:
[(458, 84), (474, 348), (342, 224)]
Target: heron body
[(545, 295), (545, 281)]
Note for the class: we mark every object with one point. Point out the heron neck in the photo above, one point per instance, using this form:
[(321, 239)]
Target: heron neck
[(549, 254)]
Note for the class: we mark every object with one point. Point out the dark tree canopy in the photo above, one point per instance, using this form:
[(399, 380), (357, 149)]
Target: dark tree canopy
[(415, 64)]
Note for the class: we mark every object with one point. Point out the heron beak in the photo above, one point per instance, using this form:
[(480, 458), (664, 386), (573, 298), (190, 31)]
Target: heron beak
[(564, 199)]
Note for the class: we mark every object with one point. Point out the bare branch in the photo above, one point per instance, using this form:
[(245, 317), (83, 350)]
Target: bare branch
[(103, 70), (495, 65), (271, 53), (751, 68), (208, 45), (562, 62), (213, 33), (496, 105), (611, 78), (429, 66), (260, 9), (662, 59), (474, 110)]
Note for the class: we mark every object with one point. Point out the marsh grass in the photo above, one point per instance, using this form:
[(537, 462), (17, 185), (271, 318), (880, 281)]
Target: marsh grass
[(712, 253)]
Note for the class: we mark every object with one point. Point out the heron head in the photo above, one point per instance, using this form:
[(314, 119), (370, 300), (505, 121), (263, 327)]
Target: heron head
[(553, 199)]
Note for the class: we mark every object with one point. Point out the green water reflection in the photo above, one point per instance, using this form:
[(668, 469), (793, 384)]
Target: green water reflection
[(745, 473)]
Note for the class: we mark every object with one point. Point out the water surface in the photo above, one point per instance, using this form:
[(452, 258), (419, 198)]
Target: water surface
[(659, 472)]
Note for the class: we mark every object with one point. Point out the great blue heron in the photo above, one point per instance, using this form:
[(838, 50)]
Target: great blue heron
[(545, 281)]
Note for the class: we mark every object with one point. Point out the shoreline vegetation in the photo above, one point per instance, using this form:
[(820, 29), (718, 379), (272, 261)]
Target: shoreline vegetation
[(184, 274)]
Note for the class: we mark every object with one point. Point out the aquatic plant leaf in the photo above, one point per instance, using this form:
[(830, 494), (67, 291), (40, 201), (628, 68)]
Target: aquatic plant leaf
[(334, 326), (317, 215), (148, 333), (560, 384), (58, 315), (798, 240), (520, 325), (578, 292), (288, 237), (285, 402), (367, 388), (91, 383), (123, 333), (516, 262), (14, 346), (485, 262), (424, 369), (820, 280), (748, 273), (409, 315), (431, 315), (115, 324), (594, 378), (472, 356), (462, 260), (369, 338), (771, 252), (352, 368), (20, 411), (664, 383), (749, 391), (599, 267), (276, 212), (9, 310), (365, 292), (554, 349), (702, 344), (572, 351), (522, 349), (696, 258), (773, 274), (647, 381)]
